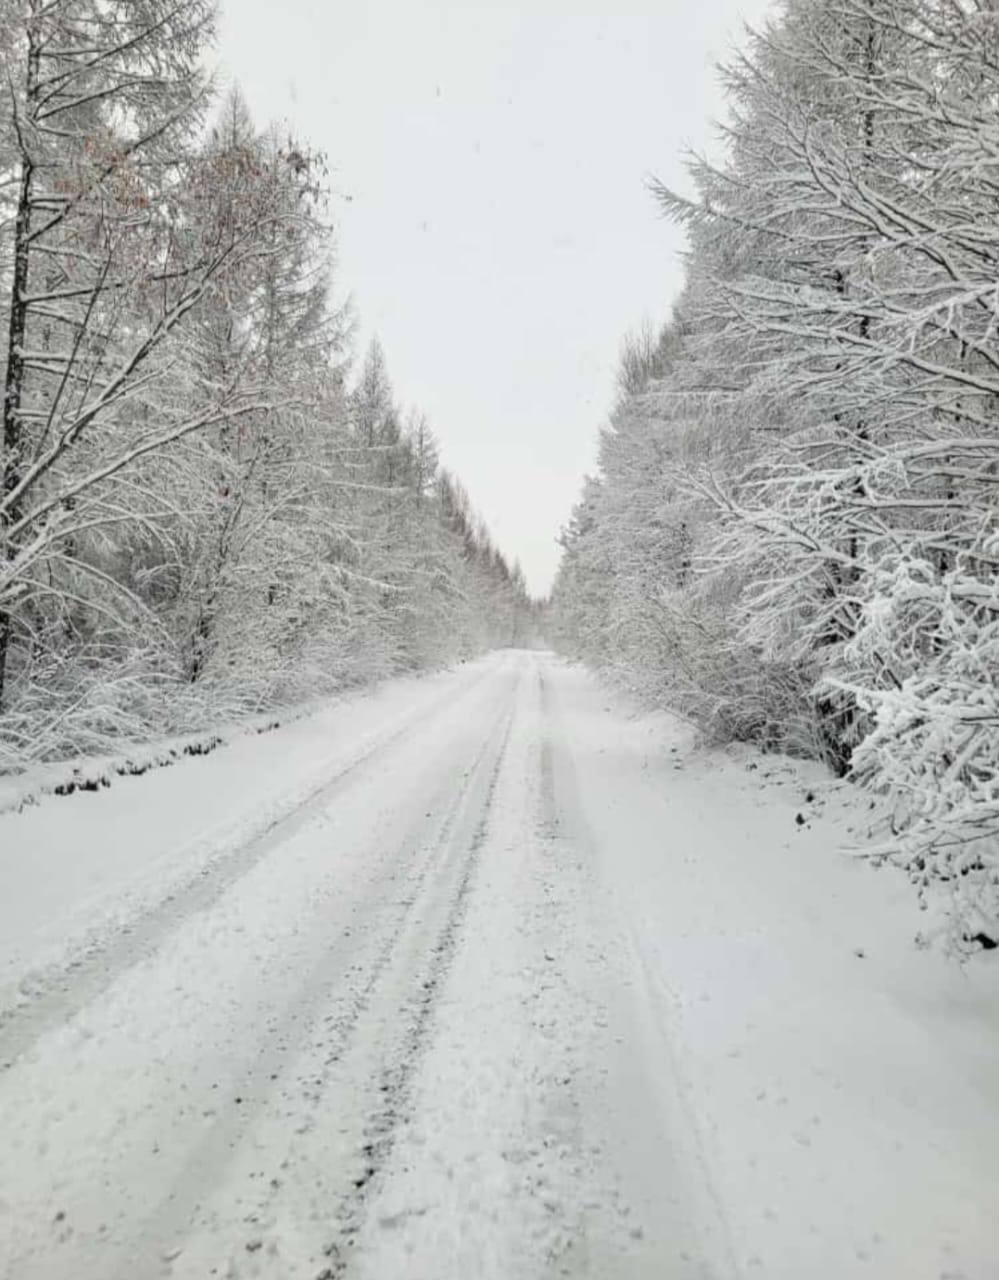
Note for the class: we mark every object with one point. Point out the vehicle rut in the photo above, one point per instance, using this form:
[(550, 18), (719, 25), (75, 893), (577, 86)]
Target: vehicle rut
[(365, 1015), (420, 966), (55, 994)]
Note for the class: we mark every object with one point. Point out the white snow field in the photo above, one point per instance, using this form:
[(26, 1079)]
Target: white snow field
[(483, 975)]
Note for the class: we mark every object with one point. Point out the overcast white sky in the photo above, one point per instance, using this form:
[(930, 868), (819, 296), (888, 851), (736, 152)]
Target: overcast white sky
[(493, 223)]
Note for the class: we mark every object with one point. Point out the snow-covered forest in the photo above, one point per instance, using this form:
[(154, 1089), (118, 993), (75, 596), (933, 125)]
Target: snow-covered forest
[(378, 905), (207, 507), (792, 536)]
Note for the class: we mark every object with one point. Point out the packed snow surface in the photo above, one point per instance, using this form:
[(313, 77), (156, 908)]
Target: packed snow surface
[(482, 975)]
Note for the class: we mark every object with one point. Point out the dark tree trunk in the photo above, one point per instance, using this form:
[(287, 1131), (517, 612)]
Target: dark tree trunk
[(13, 439)]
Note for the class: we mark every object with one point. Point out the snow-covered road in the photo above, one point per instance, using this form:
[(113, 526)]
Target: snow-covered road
[(478, 977)]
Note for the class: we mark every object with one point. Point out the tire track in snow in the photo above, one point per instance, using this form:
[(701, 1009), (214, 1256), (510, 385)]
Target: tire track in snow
[(607, 989), (515, 1188), (363, 1029), (565, 1012), (54, 995), (415, 1010)]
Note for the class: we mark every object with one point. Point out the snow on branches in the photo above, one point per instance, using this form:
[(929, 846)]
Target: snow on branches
[(196, 518), (826, 427)]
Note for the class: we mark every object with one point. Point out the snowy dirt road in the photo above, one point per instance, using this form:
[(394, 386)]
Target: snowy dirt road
[(403, 1005)]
